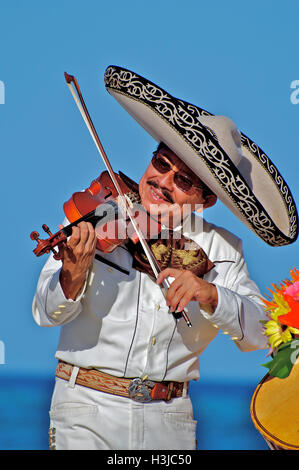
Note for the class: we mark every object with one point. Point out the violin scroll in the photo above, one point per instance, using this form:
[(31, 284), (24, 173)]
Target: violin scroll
[(45, 246)]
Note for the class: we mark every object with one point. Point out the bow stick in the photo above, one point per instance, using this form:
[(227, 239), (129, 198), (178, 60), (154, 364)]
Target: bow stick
[(70, 79)]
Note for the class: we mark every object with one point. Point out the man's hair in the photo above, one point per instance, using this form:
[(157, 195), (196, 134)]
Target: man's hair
[(206, 191)]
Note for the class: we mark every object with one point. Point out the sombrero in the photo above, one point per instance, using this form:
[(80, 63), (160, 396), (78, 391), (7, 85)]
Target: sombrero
[(227, 161)]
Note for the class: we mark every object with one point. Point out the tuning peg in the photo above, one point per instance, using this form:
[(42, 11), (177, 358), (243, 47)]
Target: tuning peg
[(46, 229), (34, 236)]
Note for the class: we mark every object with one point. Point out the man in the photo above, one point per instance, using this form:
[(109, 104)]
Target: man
[(158, 192), (125, 356)]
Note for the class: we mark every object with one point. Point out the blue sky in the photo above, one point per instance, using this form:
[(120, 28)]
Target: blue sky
[(233, 58)]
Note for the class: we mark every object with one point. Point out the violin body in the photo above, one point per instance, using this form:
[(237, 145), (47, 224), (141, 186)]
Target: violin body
[(101, 190), (92, 205)]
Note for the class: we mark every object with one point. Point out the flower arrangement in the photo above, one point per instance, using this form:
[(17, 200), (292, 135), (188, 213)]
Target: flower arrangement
[(282, 326)]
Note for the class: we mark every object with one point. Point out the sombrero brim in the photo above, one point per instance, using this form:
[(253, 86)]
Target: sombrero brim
[(254, 191)]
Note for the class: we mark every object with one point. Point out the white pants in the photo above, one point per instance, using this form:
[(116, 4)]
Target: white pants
[(82, 418)]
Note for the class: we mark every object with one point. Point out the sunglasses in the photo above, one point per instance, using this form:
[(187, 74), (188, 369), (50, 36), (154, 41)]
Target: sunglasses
[(181, 180)]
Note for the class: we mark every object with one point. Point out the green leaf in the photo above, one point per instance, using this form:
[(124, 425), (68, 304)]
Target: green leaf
[(281, 365)]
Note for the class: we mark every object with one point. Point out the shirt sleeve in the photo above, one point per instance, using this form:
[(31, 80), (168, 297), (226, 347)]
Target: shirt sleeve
[(50, 307), (240, 307)]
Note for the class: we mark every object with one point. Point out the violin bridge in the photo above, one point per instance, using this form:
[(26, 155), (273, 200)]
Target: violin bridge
[(133, 198)]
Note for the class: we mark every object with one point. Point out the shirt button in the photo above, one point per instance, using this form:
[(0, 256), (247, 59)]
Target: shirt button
[(158, 307), (153, 340), (110, 270)]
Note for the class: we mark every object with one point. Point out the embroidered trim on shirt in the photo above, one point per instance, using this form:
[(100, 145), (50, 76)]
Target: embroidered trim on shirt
[(110, 263), (135, 328)]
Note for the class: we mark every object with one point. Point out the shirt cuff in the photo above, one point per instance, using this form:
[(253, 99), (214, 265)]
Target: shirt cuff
[(227, 313), (58, 307)]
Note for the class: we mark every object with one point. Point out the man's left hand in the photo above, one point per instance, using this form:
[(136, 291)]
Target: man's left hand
[(187, 287)]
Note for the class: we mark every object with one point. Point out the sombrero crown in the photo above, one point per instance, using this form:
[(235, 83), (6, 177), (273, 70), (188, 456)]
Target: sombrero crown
[(231, 164)]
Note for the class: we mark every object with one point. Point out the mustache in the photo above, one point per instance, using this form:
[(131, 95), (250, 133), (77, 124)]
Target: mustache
[(163, 191)]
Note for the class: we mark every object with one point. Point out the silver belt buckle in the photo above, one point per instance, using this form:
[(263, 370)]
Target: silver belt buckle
[(141, 390)]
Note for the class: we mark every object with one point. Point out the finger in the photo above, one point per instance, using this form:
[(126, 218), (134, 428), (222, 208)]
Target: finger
[(84, 233), (168, 272), (185, 299), (174, 295), (181, 287), (74, 238), (91, 240), (81, 238), (92, 233)]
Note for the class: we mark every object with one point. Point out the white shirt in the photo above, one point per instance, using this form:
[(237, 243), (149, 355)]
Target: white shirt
[(120, 323)]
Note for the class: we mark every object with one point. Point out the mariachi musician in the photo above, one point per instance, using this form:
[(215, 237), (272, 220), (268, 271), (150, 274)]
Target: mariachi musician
[(126, 355)]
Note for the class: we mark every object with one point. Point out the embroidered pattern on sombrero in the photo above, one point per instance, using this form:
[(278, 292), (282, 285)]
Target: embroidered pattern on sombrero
[(268, 165), (183, 117)]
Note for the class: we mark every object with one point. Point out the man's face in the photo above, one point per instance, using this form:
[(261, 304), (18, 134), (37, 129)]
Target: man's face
[(161, 196)]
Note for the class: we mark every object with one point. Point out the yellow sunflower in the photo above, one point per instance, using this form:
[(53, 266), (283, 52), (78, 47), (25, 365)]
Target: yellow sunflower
[(276, 332)]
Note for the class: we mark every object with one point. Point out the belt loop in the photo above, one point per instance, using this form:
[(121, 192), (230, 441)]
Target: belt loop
[(185, 389), (73, 377), (169, 392)]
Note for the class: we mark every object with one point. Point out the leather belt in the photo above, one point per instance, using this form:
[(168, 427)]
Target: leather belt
[(139, 390)]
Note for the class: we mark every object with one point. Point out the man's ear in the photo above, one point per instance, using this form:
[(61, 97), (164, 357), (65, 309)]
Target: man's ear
[(209, 201)]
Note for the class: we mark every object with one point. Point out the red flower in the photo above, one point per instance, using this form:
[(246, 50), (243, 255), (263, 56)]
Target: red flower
[(292, 317)]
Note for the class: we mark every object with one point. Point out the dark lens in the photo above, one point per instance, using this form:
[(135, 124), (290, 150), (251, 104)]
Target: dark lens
[(160, 164), (183, 182)]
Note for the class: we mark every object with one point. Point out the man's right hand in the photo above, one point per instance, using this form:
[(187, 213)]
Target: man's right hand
[(77, 256)]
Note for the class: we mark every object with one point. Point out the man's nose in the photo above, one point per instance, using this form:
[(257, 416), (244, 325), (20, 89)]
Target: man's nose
[(166, 180)]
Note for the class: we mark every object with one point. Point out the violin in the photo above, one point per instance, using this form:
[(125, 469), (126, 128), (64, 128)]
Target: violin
[(96, 198), (98, 204)]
